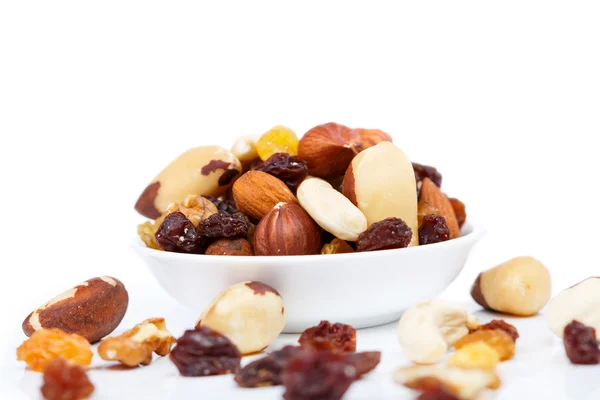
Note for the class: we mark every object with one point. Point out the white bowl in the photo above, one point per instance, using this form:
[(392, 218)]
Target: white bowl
[(360, 289)]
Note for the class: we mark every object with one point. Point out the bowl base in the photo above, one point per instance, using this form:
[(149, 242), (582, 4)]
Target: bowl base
[(356, 323)]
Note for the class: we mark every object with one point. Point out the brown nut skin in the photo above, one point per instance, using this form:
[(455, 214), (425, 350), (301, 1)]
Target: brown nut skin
[(207, 170), (230, 247), (257, 192), (287, 230), (371, 137), (431, 193), (92, 309), (329, 148)]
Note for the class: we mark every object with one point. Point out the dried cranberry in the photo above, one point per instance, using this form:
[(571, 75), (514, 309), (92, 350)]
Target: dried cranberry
[(178, 234), (224, 206), (503, 326), (204, 352), (63, 381), (290, 169), (433, 229), (364, 362), (223, 225), (437, 393), (267, 371), (335, 338), (317, 375), (425, 171), (390, 233), (581, 344)]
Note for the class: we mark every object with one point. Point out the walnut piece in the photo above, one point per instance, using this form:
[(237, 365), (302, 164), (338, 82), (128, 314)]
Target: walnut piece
[(194, 207)]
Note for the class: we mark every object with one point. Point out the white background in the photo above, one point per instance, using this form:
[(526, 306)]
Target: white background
[(95, 98)]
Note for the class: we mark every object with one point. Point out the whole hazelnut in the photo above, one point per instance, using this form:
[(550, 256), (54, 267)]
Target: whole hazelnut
[(230, 247), (371, 137)]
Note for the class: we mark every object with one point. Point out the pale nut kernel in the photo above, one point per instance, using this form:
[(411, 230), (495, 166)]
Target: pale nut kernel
[(207, 170), (250, 314), (476, 355), (427, 330), (465, 384), (136, 345), (195, 208), (580, 303), (331, 209), (244, 148), (380, 181), (521, 286)]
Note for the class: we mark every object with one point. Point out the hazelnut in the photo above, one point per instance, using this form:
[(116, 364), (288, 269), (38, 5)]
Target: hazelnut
[(580, 302), (521, 286), (287, 230), (328, 149), (371, 137), (380, 181), (257, 192), (230, 247), (250, 314)]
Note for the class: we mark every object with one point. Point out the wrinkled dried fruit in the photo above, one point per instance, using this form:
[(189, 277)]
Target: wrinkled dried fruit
[(224, 226), (224, 206), (425, 171), (581, 344), (146, 232), (364, 362), (267, 371), (425, 208), (433, 229), (460, 211), (63, 381), (317, 375), (477, 355), (502, 325), (497, 339), (178, 234), (438, 392), (47, 345), (391, 233), (230, 247), (291, 170), (335, 338), (277, 140), (205, 352), (337, 246)]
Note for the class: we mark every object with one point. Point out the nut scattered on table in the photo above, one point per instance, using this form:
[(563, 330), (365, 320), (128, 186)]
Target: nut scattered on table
[(521, 286), (92, 309), (47, 345), (250, 314), (136, 345)]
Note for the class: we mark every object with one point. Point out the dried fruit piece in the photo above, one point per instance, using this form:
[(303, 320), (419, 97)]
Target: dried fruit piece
[(267, 371), (146, 232), (437, 393), (502, 325), (291, 170), (424, 208), (335, 338), (425, 171), (476, 355), (433, 229), (459, 210), (205, 352), (46, 345), (364, 362), (230, 247), (178, 234), (64, 381), (315, 375), (278, 139), (337, 246), (497, 339), (223, 206), (391, 233), (223, 226), (434, 196), (581, 344), (136, 345)]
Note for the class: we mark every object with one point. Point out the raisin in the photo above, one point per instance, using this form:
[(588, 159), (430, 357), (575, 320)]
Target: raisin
[(291, 170), (502, 325), (437, 393), (228, 176), (497, 339), (278, 140), (433, 229), (477, 355), (224, 206), (268, 370), (63, 381), (337, 246), (335, 338), (224, 226), (205, 352), (364, 362), (459, 210), (178, 234), (390, 233), (47, 345), (581, 344), (425, 171), (317, 375)]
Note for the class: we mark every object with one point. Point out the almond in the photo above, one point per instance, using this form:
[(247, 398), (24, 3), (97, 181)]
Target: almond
[(431, 193), (256, 193)]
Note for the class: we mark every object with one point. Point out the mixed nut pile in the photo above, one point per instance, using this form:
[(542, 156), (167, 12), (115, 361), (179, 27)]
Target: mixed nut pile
[(247, 317), (335, 190)]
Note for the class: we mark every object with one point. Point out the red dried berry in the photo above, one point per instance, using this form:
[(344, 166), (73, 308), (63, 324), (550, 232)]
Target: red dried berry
[(334, 338), (390, 233), (64, 381), (433, 229), (317, 375), (267, 371), (364, 362), (291, 170), (425, 171), (501, 325), (581, 344), (178, 234), (223, 225), (204, 352)]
